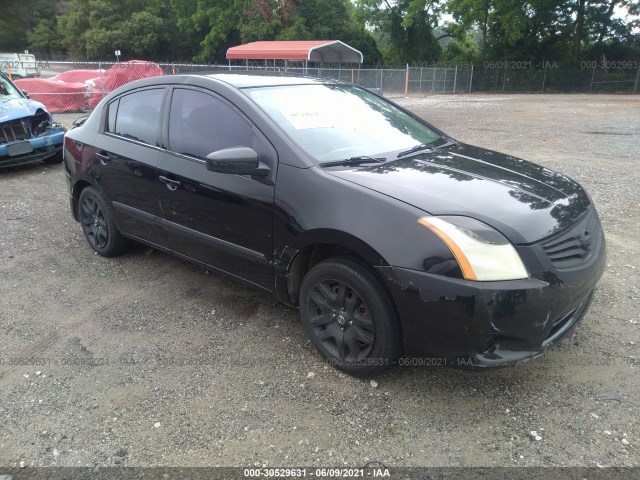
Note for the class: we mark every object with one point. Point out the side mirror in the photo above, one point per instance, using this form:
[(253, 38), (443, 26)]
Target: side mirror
[(25, 93), (237, 160), (79, 121)]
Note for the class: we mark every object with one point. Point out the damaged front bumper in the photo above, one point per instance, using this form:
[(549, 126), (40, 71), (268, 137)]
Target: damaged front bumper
[(463, 323), (32, 149)]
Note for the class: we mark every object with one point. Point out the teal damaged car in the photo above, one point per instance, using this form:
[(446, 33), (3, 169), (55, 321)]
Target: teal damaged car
[(28, 132)]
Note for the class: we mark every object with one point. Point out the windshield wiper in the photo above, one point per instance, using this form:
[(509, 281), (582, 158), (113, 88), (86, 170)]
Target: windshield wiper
[(353, 161), (427, 146), (449, 143), (417, 148)]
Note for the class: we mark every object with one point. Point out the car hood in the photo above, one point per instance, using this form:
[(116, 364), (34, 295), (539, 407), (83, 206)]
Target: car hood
[(12, 108), (524, 201)]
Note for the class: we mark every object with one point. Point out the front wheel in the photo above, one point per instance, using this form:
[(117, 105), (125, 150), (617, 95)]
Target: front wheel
[(98, 226), (349, 317)]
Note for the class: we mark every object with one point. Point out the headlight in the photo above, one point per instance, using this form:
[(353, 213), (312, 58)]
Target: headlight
[(483, 253)]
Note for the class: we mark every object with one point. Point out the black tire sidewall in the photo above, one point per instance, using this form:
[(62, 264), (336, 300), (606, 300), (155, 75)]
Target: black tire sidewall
[(386, 345), (115, 241)]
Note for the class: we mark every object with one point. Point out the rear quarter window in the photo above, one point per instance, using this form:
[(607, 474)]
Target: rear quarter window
[(111, 116), (136, 116)]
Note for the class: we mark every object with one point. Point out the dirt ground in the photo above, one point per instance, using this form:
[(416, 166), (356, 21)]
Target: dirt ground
[(147, 360)]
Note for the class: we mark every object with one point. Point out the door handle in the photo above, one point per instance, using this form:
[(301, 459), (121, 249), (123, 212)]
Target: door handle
[(171, 184), (104, 159)]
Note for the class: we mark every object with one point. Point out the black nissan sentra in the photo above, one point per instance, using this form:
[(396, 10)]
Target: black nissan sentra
[(390, 236)]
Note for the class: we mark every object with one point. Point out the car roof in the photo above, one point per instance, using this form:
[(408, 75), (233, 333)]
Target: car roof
[(240, 80), (232, 81)]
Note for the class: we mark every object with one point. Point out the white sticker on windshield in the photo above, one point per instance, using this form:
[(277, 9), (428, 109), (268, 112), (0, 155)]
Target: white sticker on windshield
[(305, 119)]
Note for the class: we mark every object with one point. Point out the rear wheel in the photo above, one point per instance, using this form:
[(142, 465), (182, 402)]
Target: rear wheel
[(98, 225), (349, 317)]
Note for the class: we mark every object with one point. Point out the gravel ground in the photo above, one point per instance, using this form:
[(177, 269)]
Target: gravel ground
[(146, 360)]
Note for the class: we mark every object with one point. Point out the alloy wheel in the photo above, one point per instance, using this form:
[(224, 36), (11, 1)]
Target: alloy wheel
[(94, 223)]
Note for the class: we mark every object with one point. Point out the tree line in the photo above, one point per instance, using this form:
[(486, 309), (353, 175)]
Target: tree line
[(386, 31)]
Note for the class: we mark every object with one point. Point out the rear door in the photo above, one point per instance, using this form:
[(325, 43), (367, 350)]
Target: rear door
[(125, 162), (222, 220)]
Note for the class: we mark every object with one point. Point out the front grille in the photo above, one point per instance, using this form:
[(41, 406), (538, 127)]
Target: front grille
[(575, 246), (15, 130)]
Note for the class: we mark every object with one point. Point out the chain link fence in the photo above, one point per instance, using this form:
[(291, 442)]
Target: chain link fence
[(556, 80), (78, 86)]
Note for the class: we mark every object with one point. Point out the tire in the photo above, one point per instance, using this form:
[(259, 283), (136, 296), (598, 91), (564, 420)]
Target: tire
[(57, 158), (349, 318), (98, 226)]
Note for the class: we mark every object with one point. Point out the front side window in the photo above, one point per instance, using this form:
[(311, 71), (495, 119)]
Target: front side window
[(334, 122), (137, 115), (200, 124)]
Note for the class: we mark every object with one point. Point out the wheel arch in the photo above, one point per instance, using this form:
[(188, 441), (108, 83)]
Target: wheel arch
[(80, 182), (366, 258), (78, 186), (294, 261)]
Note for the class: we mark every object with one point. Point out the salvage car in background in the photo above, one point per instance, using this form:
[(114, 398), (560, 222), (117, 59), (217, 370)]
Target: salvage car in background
[(81, 90), (388, 234), (28, 132)]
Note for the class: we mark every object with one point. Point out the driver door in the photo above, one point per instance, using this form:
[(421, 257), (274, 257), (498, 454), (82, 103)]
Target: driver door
[(221, 220)]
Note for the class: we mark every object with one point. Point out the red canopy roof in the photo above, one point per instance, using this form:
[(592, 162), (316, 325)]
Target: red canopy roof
[(311, 50)]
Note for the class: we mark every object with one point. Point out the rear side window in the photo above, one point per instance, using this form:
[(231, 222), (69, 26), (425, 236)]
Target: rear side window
[(200, 124), (113, 109), (136, 116)]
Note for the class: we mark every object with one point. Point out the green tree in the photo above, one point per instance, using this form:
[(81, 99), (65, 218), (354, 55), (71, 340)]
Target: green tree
[(139, 28), (607, 34), (18, 17), (215, 24), (405, 28), (540, 30), (265, 19), (44, 37)]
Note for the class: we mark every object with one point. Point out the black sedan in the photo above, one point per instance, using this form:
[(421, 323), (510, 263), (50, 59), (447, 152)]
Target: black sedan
[(391, 237)]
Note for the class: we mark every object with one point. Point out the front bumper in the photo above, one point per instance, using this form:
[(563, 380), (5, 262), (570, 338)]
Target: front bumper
[(42, 147), (462, 323)]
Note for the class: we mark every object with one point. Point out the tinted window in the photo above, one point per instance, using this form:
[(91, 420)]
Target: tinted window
[(138, 115), (113, 109), (200, 124)]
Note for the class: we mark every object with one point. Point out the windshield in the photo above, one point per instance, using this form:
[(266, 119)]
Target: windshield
[(7, 89), (335, 122)]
